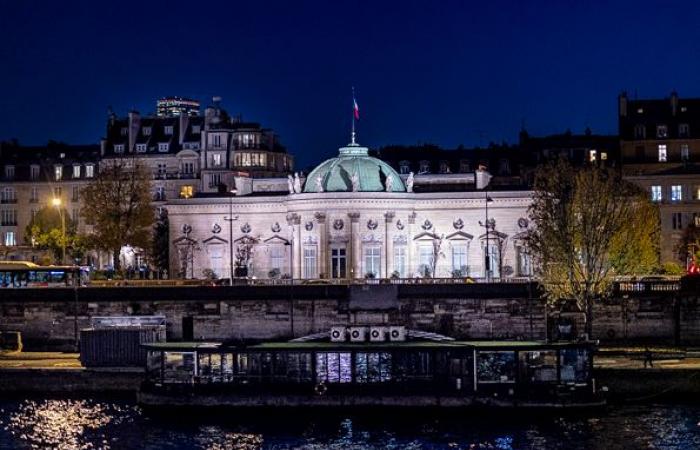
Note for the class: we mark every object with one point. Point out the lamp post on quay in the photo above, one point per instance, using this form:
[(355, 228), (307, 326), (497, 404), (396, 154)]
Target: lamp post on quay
[(230, 220), (56, 201)]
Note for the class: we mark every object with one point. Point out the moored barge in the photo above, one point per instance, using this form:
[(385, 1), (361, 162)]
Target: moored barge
[(413, 373)]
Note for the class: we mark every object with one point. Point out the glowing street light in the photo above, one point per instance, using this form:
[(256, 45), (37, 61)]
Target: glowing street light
[(56, 201)]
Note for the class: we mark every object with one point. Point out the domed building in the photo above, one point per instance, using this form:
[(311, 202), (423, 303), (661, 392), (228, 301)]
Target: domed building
[(353, 170), (353, 216)]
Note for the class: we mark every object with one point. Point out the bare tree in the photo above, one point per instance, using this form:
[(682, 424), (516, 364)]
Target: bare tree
[(588, 228), (118, 203)]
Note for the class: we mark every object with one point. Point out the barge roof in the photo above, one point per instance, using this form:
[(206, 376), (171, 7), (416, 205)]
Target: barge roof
[(282, 346)]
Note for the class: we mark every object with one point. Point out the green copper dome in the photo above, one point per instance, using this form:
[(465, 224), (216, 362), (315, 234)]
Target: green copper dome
[(371, 174)]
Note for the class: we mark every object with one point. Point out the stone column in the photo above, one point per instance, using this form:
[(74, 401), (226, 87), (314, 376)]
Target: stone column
[(411, 254), (355, 246), (388, 244), (322, 244), (294, 221)]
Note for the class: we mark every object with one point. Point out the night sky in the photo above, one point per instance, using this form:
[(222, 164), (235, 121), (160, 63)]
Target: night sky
[(444, 72)]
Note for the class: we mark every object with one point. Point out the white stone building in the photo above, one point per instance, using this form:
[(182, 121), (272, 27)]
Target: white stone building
[(355, 217)]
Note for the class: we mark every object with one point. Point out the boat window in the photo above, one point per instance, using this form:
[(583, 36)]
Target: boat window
[(574, 365), (496, 367), (372, 367), (179, 367), (412, 365), (210, 366), (299, 367), (538, 367), (153, 363), (333, 367)]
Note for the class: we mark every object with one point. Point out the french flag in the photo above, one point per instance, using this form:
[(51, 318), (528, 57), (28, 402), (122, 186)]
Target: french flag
[(355, 108)]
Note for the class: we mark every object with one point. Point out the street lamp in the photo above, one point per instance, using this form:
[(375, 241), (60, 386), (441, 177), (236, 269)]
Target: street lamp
[(483, 178), (230, 220), (56, 201)]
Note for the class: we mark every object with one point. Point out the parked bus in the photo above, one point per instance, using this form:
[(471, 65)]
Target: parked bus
[(20, 274)]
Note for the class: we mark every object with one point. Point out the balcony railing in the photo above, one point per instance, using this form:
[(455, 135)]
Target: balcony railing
[(8, 200)]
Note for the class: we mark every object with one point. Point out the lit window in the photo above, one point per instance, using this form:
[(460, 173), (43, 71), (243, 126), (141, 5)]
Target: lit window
[(10, 240), (685, 152), (76, 171), (372, 261), (661, 131), (217, 159), (309, 267), (186, 191), (169, 130), (656, 195), (163, 147), (146, 131), (683, 130), (603, 156), (89, 171), (592, 155), (34, 172), (640, 110), (58, 172), (118, 148), (141, 148), (676, 193), (662, 152)]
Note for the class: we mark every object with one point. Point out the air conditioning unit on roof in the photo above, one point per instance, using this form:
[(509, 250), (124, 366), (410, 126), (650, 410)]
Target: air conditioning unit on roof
[(397, 334), (338, 334), (358, 334), (377, 334)]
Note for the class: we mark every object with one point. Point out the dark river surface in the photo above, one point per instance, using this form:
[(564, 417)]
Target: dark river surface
[(92, 423)]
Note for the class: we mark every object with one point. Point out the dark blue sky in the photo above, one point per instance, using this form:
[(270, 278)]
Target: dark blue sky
[(445, 72)]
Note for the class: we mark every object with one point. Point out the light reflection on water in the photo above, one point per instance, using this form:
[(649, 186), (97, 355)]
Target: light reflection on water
[(106, 424)]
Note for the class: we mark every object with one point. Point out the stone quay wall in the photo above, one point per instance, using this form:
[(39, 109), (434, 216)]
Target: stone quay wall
[(47, 317)]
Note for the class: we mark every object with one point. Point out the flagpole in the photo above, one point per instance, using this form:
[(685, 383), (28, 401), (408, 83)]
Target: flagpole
[(352, 136)]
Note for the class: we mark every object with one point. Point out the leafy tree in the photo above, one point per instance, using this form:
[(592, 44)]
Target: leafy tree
[(589, 227), (688, 248), (45, 232), (160, 247), (118, 203)]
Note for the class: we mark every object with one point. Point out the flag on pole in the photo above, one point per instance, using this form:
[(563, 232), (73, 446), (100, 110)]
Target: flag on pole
[(355, 108)]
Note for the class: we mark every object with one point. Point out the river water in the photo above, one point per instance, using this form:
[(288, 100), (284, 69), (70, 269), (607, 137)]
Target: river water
[(93, 423)]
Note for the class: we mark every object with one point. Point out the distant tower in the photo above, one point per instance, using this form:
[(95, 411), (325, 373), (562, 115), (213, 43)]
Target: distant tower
[(177, 106)]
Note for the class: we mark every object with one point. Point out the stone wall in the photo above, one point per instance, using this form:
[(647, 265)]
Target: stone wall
[(468, 311)]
